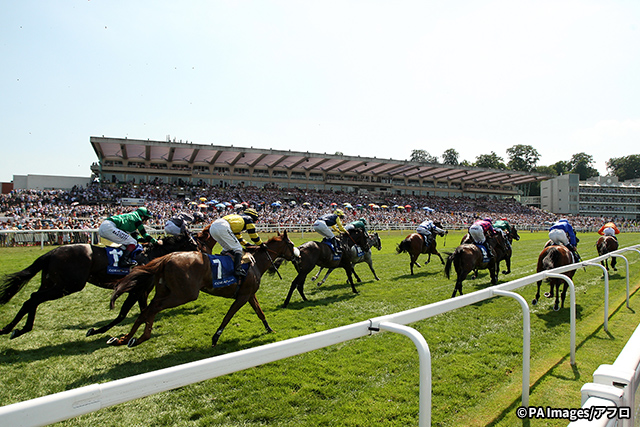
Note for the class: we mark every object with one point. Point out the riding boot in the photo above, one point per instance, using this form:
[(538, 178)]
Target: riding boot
[(336, 246), (126, 260), (237, 265)]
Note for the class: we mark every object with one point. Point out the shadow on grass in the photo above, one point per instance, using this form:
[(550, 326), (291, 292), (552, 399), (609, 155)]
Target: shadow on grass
[(551, 371)]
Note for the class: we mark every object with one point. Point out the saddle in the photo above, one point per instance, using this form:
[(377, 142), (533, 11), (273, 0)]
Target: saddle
[(222, 270), (486, 255)]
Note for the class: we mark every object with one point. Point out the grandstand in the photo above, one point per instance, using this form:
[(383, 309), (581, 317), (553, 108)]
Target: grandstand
[(132, 160)]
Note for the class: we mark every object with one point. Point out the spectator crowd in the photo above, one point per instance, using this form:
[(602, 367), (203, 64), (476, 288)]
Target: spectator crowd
[(86, 207)]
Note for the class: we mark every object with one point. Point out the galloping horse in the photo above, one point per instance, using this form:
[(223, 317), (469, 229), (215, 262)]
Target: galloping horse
[(373, 241), (414, 244), (552, 257), (179, 278), (67, 269), (606, 244), (468, 257), (509, 238), (318, 253)]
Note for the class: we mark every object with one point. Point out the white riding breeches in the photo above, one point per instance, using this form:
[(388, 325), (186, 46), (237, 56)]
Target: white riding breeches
[(109, 231), (171, 228), (221, 231), (558, 237), (323, 229), (477, 233)]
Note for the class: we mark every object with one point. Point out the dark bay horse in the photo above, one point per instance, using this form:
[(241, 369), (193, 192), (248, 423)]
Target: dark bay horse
[(179, 278), (468, 257), (606, 244), (509, 237), (373, 241), (552, 257), (67, 269), (319, 253), (414, 245)]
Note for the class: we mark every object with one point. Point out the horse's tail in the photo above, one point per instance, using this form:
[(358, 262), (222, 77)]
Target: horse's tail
[(403, 246), (602, 247), (140, 279), (447, 267), (550, 259), (13, 283)]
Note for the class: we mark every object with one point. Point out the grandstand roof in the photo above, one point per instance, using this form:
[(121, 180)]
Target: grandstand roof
[(201, 154)]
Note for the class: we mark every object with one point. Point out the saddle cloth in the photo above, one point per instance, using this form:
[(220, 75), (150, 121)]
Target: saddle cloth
[(333, 252), (113, 257), (485, 253), (222, 271)]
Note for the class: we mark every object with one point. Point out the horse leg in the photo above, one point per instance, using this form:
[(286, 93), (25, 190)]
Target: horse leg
[(237, 305), (507, 261), (457, 288), (325, 276), (124, 310), (537, 297), (253, 301), (440, 256), (414, 261), (349, 270), (370, 264), (493, 272), (300, 278), (613, 263), (355, 274), (564, 295), (29, 309), (313, 279)]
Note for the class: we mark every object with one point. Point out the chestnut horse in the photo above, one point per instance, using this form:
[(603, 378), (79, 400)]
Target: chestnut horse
[(552, 257), (606, 244), (319, 253), (468, 257), (67, 269), (509, 238), (414, 245), (179, 278)]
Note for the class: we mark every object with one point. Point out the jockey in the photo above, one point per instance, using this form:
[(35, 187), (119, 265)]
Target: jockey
[(481, 231), (561, 232), (228, 232), (609, 229), (326, 223), (361, 223), (426, 229), (178, 224), (118, 229), (503, 225)]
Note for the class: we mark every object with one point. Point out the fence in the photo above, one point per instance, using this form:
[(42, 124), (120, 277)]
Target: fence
[(72, 403)]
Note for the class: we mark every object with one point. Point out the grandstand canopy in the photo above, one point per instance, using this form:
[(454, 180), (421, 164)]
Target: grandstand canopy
[(131, 150)]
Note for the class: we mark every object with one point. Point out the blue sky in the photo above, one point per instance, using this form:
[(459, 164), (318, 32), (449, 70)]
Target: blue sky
[(367, 78)]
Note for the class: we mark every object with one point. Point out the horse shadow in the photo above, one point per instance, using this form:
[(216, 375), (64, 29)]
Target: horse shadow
[(554, 318), (320, 302)]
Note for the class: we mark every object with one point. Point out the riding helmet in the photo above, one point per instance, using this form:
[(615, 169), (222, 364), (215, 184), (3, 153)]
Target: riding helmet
[(252, 213), (144, 213), (339, 212)]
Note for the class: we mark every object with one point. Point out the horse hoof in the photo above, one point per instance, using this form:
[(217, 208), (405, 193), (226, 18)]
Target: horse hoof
[(132, 342), (555, 307), (534, 302), (91, 332), (113, 341), (313, 279), (547, 295), (14, 334)]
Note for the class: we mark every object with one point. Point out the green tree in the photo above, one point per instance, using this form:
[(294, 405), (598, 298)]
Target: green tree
[(581, 163), (450, 157), (561, 167), (522, 158), (490, 161), (624, 168), (423, 156)]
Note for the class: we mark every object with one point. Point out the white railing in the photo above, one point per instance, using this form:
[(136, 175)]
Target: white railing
[(72, 403)]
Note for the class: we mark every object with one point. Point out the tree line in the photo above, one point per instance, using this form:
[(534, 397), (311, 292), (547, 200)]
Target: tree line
[(525, 158)]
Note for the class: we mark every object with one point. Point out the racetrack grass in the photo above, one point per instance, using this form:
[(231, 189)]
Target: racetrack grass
[(476, 351)]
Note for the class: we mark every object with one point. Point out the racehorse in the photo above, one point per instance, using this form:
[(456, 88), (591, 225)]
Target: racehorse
[(554, 256), (414, 244), (319, 253), (179, 278), (67, 269), (606, 244), (373, 241), (509, 237), (468, 257)]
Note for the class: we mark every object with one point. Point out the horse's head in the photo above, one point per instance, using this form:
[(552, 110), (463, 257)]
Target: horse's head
[(282, 246), (168, 244), (513, 233), (356, 236), (205, 237), (439, 225), (374, 241)]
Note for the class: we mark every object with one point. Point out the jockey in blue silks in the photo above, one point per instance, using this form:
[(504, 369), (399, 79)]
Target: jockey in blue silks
[(561, 232)]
